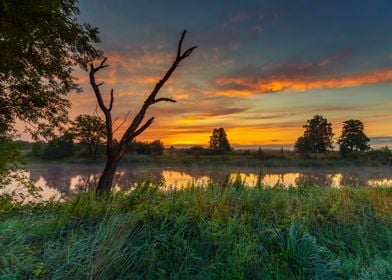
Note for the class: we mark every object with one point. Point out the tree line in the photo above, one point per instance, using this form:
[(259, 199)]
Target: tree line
[(317, 138), (318, 134), (89, 133), (86, 137)]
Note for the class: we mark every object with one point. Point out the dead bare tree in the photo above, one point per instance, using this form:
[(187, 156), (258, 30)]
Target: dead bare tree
[(115, 150)]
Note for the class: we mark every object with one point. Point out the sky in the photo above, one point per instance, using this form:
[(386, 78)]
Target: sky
[(261, 69)]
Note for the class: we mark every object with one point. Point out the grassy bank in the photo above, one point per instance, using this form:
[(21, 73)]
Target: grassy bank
[(238, 158), (215, 232)]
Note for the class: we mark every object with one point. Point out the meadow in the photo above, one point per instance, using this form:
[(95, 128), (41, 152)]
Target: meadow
[(212, 231)]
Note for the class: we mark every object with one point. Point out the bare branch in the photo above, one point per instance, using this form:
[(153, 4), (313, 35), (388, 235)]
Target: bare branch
[(180, 44), (188, 52), (115, 120), (115, 151), (164, 99), (121, 124), (100, 84), (101, 104), (151, 99), (96, 110), (111, 100), (143, 127), (101, 65)]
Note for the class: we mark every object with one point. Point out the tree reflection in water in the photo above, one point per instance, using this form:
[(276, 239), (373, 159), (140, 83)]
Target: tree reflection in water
[(69, 179)]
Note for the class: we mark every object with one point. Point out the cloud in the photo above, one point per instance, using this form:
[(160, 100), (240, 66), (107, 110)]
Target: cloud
[(240, 16), (213, 112), (243, 86), (381, 141)]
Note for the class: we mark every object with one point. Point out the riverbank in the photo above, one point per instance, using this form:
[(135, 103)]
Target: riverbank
[(218, 232), (239, 158)]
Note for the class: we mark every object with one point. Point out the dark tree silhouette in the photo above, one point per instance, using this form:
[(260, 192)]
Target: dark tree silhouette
[(116, 149), (353, 137), (90, 132), (219, 141), (303, 145), (59, 147), (156, 147), (41, 42), (317, 137)]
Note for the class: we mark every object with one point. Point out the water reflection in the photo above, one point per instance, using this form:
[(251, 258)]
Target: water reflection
[(61, 181)]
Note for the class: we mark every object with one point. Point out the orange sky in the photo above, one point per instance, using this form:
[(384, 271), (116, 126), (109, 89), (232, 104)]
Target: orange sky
[(267, 111), (261, 70)]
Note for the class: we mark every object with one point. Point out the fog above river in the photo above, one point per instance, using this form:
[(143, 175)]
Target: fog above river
[(61, 181)]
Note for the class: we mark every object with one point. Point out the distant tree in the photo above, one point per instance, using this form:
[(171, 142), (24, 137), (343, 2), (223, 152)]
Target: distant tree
[(144, 148), (41, 42), (303, 145), (59, 147), (317, 137), (381, 155), (196, 150), (219, 141), (89, 131), (37, 149), (157, 147), (353, 137)]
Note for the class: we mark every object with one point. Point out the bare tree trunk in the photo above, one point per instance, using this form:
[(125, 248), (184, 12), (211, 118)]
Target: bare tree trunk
[(115, 150), (106, 180)]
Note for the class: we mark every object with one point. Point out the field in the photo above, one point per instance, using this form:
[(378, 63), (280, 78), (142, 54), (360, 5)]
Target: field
[(202, 232)]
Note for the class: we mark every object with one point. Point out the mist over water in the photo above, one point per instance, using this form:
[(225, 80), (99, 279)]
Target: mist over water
[(61, 181)]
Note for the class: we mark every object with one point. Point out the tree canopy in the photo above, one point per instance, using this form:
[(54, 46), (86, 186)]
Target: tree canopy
[(353, 137), (219, 141), (317, 136), (59, 147), (41, 41), (90, 131)]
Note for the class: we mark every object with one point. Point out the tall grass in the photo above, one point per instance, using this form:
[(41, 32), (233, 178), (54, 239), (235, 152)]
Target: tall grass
[(202, 232)]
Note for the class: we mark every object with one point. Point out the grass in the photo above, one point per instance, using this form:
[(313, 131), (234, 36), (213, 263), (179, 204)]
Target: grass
[(226, 231), (251, 158)]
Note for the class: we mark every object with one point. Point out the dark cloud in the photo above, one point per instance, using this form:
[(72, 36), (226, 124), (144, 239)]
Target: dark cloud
[(381, 141)]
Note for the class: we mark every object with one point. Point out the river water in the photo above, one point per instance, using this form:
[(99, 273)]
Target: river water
[(61, 181)]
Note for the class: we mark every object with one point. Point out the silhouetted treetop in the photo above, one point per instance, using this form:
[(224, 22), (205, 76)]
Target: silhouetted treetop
[(353, 137), (90, 132), (40, 42), (219, 141), (317, 136)]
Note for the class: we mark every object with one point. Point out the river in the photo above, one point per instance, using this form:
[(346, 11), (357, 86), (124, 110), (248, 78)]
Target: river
[(61, 181)]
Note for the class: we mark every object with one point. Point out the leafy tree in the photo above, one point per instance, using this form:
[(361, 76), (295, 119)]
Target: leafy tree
[(302, 145), (90, 131), (59, 147), (317, 137), (10, 159), (353, 137), (154, 148), (37, 149), (40, 41), (219, 141), (196, 150), (157, 147), (382, 155)]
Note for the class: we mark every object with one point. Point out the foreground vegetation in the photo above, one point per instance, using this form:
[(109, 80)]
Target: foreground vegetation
[(202, 232)]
